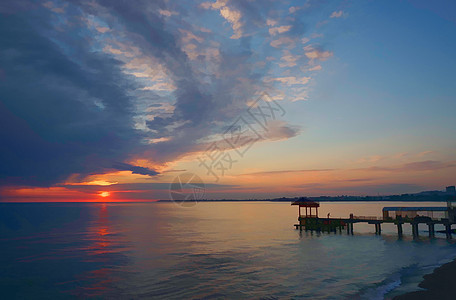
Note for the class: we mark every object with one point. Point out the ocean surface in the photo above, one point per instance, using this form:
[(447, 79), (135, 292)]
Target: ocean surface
[(207, 251)]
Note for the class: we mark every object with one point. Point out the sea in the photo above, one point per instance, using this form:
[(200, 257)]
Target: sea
[(211, 250)]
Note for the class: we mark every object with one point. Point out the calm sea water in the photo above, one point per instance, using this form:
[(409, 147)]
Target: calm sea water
[(209, 251)]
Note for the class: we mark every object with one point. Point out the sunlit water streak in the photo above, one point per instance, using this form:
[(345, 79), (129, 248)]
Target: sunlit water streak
[(211, 250)]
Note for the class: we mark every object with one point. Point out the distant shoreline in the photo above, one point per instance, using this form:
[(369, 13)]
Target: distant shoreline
[(319, 200), (440, 284)]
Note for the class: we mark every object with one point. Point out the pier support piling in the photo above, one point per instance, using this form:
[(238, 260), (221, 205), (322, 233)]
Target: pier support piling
[(378, 228), (350, 225), (448, 231), (431, 230), (399, 229), (415, 230)]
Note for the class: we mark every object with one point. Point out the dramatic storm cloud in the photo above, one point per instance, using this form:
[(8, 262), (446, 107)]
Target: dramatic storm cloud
[(89, 86), (64, 108)]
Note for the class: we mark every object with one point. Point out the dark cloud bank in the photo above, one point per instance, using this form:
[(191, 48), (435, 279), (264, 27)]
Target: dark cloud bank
[(50, 127), (66, 109)]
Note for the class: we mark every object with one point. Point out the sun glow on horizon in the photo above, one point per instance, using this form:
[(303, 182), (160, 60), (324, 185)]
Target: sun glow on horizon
[(104, 194)]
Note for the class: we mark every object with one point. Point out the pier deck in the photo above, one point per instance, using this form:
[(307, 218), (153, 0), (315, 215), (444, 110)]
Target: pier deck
[(334, 224), (400, 215)]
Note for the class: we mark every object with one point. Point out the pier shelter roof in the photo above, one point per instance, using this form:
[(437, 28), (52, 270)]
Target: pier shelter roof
[(306, 203)]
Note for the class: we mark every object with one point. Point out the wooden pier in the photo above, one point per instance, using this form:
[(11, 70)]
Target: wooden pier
[(400, 215)]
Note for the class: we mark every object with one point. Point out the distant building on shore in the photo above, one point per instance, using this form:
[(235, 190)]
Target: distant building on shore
[(451, 190)]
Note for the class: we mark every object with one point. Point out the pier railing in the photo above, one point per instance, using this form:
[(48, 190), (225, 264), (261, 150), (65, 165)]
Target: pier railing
[(367, 218), (309, 216)]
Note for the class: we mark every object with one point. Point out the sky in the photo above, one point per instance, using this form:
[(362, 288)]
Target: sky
[(116, 100)]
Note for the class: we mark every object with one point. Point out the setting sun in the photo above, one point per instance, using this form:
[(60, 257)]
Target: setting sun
[(104, 194)]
